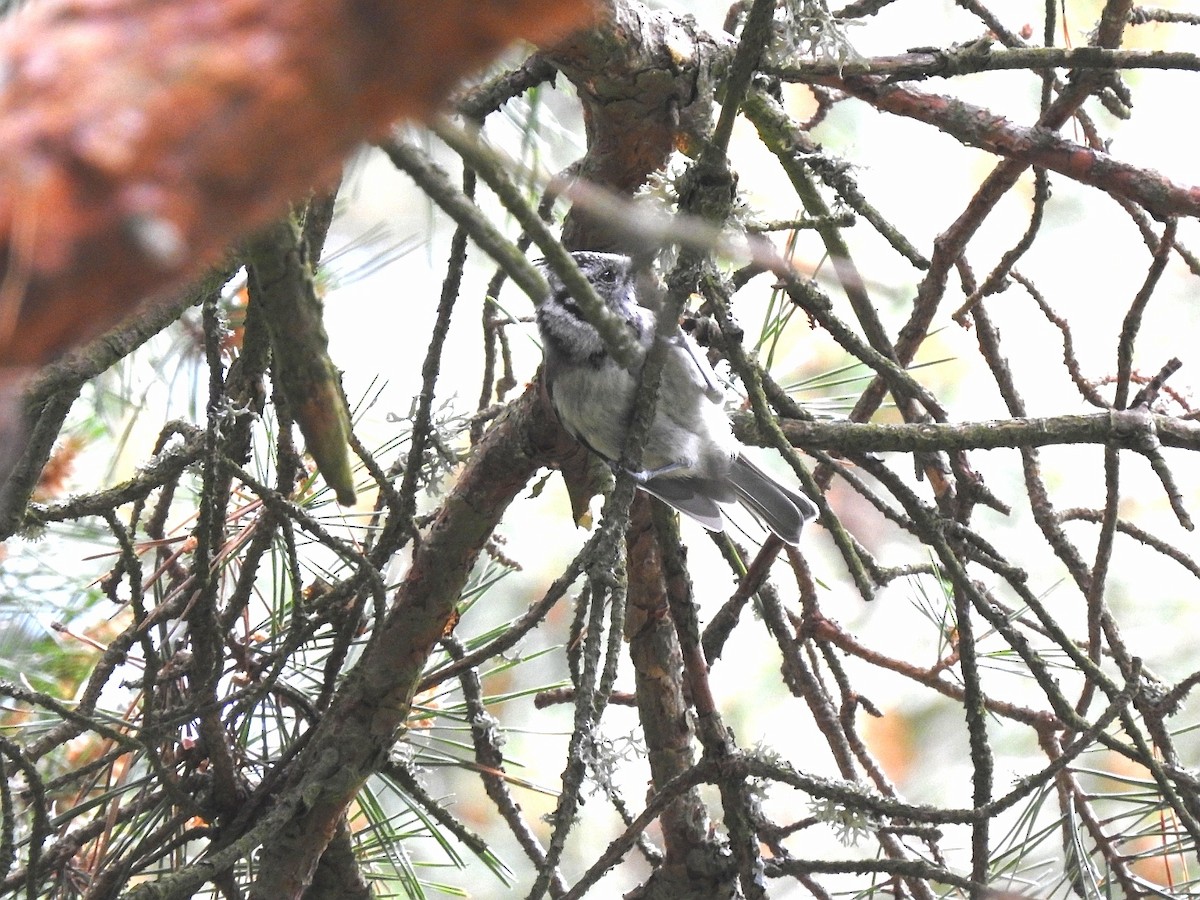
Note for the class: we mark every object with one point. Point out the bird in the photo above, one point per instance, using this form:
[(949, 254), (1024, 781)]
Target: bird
[(691, 459)]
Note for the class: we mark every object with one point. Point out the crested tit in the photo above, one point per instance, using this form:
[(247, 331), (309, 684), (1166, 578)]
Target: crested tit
[(691, 459)]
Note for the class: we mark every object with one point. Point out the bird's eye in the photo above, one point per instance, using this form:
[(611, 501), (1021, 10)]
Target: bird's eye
[(608, 275)]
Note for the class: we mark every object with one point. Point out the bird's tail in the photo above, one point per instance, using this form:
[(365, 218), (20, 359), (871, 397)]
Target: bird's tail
[(782, 510)]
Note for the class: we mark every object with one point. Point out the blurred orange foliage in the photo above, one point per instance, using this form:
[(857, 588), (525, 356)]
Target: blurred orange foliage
[(139, 138)]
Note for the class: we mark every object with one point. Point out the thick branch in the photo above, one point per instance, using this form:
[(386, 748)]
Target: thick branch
[(1116, 428), (362, 722), (979, 57), (976, 126), (645, 82), (139, 138)]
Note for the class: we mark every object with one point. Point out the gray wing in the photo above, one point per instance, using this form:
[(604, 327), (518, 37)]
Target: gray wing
[(686, 495), (707, 378), (781, 509)]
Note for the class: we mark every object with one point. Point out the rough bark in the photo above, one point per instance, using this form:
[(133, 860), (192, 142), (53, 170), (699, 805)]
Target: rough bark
[(139, 138), (371, 707)]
